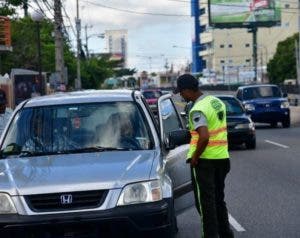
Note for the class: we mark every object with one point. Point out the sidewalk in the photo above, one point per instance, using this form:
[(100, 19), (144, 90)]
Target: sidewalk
[(295, 115), (294, 99)]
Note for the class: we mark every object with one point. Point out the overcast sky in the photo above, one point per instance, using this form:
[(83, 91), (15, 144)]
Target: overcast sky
[(148, 35)]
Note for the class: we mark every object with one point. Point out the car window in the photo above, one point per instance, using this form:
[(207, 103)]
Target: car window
[(239, 95), (261, 92), (170, 119), (58, 129), (233, 107), (152, 94)]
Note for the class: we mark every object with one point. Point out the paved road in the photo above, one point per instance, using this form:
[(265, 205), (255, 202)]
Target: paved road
[(263, 188)]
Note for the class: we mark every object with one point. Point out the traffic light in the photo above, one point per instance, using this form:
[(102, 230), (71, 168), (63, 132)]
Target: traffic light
[(5, 33)]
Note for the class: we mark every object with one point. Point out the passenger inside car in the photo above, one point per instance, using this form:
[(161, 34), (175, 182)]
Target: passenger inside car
[(119, 132)]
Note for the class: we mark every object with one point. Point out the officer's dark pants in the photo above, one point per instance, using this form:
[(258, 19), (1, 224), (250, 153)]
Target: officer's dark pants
[(208, 179)]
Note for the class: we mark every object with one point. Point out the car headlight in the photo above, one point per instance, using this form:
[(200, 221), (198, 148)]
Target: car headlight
[(284, 104), (245, 126), (6, 204), (249, 107), (141, 193)]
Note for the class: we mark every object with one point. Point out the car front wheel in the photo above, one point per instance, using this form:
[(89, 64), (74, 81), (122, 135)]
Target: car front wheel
[(251, 144), (286, 123)]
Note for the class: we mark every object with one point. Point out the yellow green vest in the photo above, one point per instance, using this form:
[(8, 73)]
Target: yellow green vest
[(215, 112)]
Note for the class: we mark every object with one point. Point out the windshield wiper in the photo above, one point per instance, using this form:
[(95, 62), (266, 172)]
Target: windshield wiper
[(93, 149), (27, 153)]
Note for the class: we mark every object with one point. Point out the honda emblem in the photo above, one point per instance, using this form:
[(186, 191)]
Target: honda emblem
[(66, 199)]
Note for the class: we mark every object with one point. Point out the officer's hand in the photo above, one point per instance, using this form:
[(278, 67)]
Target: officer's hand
[(194, 162)]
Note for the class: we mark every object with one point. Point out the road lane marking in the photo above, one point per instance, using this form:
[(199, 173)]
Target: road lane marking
[(275, 143), (235, 224)]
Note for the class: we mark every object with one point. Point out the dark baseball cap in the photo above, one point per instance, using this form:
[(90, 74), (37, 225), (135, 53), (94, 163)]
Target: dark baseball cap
[(186, 81), (2, 97)]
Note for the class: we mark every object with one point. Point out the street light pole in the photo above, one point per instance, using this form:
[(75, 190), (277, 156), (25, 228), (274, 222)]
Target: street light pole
[(39, 49), (78, 28), (38, 17)]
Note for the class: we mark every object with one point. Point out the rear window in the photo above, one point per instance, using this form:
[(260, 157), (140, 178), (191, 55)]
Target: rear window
[(261, 92)]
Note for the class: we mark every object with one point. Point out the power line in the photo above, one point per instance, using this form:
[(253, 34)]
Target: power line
[(135, 12), (166, 14), (68, 18)]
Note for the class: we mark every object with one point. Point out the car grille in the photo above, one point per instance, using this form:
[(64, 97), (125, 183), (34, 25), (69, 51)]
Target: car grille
[(66, 201)]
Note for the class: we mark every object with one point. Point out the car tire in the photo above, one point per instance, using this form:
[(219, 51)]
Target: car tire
[(251, 144), (286, 123)]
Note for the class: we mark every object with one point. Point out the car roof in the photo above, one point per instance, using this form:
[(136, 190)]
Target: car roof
[(151, 90), (257, 85), (85, 96), (224, 96)]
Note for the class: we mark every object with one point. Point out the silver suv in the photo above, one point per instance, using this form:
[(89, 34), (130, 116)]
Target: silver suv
[(93, 161)]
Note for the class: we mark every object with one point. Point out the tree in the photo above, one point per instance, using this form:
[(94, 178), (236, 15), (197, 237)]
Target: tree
[(8, 7), (283, 64), (125, 72), (24, 55)]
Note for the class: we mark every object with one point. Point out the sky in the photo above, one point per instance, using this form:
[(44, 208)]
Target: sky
[(152, 39)]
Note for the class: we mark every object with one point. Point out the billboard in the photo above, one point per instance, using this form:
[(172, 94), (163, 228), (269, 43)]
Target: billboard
[(244, 13)]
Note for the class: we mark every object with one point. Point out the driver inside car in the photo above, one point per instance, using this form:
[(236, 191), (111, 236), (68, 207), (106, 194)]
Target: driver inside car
[(127, 138), (37, 141)]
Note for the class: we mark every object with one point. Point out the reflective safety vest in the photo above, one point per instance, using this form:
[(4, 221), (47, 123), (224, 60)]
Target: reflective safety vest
[(215, 112)]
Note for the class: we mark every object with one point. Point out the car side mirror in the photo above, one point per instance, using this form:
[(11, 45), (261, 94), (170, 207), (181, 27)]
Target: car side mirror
[(285, 95), (178, 137)]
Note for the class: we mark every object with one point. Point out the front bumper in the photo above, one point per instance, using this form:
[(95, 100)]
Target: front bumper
[(240, 136), (269, 116), (132, 219)]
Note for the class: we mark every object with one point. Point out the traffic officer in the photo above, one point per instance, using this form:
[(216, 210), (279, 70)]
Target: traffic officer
[(208, 156)]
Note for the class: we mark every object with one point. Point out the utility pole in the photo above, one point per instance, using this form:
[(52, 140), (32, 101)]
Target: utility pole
[(261, 66), (254, 50), (87, 40), (59, 47), (298, 51), (297, 61), (255, 53), (25, 7), (78, 28)]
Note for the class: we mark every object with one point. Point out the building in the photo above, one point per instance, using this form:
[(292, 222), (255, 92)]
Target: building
[(228, 52), (116, 41)]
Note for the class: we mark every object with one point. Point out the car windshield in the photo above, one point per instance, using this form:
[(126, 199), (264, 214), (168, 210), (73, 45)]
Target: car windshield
[(77, 128), (152, 94), (233, 107), (261, 92)]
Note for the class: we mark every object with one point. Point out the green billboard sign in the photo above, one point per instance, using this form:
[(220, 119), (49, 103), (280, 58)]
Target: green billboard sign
[(244, 13)]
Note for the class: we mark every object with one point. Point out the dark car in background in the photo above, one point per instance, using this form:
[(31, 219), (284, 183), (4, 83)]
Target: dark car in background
[(241, 129), (265, 103)]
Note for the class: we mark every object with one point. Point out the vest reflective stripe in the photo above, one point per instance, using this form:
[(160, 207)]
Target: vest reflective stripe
[(194, 142), (216, 132), (217, 142), (217, 147)]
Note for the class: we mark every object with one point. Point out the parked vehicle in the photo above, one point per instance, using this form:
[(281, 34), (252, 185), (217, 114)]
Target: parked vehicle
[(241, 129), (265, 103), (93, 161), (152, 96)]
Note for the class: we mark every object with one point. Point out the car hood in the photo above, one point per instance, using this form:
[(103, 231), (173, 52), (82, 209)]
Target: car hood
[(233, 120), (264, 101), (74, 172)]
